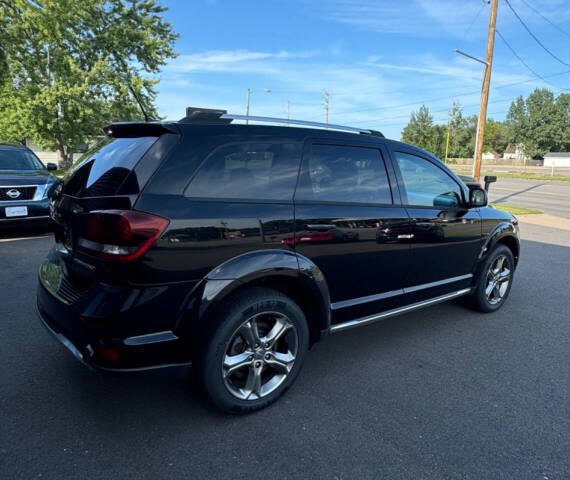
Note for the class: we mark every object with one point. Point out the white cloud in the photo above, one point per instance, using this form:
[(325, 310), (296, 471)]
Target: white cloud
[(229, 60)]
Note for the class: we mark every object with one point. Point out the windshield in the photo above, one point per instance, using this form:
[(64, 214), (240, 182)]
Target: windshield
[(16, 159)]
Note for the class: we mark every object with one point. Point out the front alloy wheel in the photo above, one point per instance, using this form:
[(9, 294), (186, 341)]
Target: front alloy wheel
[(494, 280), (498, 280)]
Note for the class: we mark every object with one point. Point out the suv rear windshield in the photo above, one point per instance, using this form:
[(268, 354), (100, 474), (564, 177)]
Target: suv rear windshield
[(104, 169)]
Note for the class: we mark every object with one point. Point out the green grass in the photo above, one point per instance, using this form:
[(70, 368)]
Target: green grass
[(523, 175), (514, 210)]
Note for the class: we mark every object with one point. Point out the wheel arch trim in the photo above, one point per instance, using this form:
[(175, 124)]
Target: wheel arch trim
[(502, 231), (254, 268)]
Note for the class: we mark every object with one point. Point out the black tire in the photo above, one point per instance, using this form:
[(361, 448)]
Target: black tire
[(260, 304), (479, 300)]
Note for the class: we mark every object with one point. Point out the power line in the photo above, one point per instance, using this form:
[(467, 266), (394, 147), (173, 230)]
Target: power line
[(557, 27), (523, 62), (535, 37), (473, 21), (464, 94), (436, 111)]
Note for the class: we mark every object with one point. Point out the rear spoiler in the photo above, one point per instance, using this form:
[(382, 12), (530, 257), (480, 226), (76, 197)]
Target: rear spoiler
[(139, 129)]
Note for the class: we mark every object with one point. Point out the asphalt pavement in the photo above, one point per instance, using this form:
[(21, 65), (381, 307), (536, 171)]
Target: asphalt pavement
[(443, 393), (549, 196)]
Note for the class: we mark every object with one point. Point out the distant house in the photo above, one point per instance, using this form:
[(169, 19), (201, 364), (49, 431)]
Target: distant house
[(557, 159), (514, 152), (490, 156)]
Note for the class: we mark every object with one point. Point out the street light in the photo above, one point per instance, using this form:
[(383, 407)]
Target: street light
[(249, 92)]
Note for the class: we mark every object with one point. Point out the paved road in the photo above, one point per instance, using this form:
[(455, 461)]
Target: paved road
[(442, 393), (548, 196)]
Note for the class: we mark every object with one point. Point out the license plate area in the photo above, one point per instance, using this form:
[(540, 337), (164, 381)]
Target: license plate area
[(12, 212)]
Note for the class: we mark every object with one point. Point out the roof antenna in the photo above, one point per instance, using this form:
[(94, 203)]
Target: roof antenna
[(146, 117)]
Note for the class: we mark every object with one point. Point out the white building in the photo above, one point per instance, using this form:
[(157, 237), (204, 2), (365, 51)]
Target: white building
[(557, 159), (514, 152)]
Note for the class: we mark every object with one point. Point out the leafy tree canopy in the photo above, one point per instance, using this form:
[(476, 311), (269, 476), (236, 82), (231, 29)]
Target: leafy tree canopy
[(541, 123), (67, 67)]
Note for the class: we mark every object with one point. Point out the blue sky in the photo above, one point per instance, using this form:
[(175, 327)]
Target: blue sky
[(379, 59)]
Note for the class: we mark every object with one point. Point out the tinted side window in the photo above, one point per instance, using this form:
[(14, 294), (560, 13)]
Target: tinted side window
[(266, 171), (344, 174), (427, 185)]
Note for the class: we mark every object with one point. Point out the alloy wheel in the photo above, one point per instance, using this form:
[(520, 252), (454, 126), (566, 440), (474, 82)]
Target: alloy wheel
[(259, 355), (498, 279)]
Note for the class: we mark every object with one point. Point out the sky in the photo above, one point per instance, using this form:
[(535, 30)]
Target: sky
[(379, 60)]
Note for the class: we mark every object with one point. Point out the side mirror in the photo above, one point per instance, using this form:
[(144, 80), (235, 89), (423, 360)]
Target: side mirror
[(477, 196), (446, 200), (488, 180), (51, 166)]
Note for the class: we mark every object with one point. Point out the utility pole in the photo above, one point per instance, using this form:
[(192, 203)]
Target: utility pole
[(247, 107), (249, 92), (485, 92), (447, 144), (288, 109), (327, 103)]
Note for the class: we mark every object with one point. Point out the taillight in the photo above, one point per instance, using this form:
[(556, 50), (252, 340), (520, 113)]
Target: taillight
[(119, 234)]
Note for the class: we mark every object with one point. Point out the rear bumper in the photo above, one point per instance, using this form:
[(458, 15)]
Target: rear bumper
[(109, 345)]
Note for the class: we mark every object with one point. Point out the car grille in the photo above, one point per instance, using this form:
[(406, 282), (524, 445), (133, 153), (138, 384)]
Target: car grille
[(26, 193)]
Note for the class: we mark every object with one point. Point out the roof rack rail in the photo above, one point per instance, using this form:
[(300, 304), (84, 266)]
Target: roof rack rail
[(330, 126), (209, 115)]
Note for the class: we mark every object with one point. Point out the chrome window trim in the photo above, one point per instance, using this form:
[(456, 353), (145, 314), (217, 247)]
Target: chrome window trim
[(396, 311)]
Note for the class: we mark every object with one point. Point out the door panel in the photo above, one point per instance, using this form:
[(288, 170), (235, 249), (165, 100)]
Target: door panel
[(346, 223), (361, 250), (446, 235), (445, 243)]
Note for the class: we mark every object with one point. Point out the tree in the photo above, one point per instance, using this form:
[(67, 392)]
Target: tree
[(495, 137), (437, 140), (418, 130), (459, 133), (71, 66), (540, 123)]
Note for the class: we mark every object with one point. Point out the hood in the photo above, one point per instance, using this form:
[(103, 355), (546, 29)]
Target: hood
[(25, 177)]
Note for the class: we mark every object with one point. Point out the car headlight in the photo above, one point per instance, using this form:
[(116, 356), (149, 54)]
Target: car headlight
[(43, 190)]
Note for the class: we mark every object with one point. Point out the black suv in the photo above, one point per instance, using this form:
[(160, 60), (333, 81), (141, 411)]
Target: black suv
[(236, 247), (25, 186)]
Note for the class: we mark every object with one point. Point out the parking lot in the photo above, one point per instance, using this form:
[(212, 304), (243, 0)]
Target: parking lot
[(440, 393)]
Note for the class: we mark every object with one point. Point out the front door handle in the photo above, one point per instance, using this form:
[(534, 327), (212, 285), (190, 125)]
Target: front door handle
[(424, 224)]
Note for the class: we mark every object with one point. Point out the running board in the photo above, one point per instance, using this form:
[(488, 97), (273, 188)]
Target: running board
[(397, 311)]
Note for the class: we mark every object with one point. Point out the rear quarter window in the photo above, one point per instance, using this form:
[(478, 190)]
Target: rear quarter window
[(104, 169), (248, 171)]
